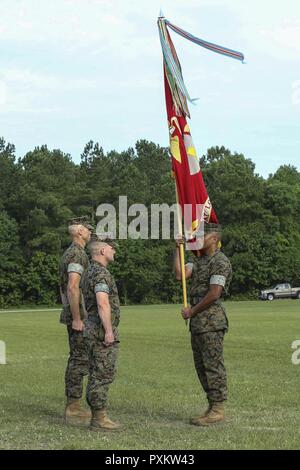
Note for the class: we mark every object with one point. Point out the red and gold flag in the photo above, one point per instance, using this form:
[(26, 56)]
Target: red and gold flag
[(192, 194), (186, 169), (185, 163), (190, 185)]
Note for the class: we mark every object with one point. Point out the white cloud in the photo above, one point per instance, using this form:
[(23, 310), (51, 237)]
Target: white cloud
[(67, 21), (151, 82), (36, 80), (3, 93), (296, 93), (286, 35), (107, 53), (30, 91), (127, 29)]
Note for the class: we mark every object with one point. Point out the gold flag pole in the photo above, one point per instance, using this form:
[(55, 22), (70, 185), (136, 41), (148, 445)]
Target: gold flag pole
[(181, 248)]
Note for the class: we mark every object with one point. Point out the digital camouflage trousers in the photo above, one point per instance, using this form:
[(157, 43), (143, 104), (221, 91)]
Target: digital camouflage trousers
[(78, 364), (102, 369), (209, 363)]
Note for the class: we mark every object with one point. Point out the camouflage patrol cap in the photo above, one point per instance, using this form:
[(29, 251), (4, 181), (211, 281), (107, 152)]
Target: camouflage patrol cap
[(83, 220), (210, 228)]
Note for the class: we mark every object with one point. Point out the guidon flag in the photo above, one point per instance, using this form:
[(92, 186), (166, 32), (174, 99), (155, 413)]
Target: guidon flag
[(190, 185)]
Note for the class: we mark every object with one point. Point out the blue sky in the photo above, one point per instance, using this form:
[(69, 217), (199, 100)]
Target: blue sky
[(75, 70)]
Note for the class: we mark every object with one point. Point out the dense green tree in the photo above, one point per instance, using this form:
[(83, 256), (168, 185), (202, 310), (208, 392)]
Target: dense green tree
[(40, 191), (9, 177), (11, 262), (49, 194), (144, 272), (41, 279), (235, 190)]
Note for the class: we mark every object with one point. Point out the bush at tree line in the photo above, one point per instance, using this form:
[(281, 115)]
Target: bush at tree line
[(38, 193)]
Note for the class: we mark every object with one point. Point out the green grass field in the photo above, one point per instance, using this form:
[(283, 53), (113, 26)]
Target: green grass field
[(156, 390)]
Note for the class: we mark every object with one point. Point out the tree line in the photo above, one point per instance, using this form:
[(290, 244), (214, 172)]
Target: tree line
[(39, 192)]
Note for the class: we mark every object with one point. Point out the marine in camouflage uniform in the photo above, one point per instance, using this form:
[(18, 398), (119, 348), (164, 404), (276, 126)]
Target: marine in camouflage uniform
[(209, 326), (74, 260), (102, 355)]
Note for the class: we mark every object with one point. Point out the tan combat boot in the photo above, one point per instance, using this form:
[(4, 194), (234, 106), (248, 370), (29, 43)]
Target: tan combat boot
[(215, 415), (75, 415), (101, 422), (195, 419)]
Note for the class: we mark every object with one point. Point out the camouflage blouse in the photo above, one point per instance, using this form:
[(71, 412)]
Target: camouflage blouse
[(75, 260), (97, 278), (207, 270)]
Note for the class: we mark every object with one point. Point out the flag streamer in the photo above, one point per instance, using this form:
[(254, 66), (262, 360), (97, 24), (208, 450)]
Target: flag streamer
[(178, 88), (190, 187), (208, 45)]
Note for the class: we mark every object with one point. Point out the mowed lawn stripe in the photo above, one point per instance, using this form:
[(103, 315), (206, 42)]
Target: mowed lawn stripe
[(156, 390)]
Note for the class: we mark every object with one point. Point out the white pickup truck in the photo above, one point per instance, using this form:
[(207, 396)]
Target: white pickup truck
[(280, 291)]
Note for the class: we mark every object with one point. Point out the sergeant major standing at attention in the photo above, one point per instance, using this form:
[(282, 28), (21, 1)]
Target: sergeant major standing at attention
[(103, 316), (210, 275), (73, 263)]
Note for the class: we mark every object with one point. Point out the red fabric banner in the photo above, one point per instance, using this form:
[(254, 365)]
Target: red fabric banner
[(185, 165)]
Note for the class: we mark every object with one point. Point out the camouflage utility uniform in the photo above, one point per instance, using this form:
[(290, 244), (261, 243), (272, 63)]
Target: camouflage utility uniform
[(209, 326), (102, 359), (75, 260)]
